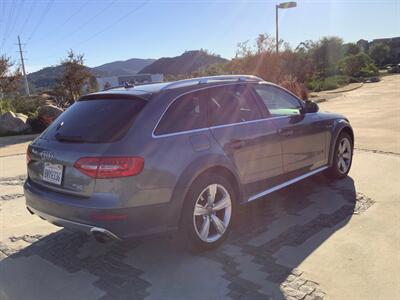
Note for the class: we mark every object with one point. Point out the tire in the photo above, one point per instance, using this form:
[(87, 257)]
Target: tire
[(342, 158), (207, 226)]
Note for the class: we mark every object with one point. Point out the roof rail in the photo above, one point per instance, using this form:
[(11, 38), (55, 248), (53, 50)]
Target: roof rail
[(208, 79)]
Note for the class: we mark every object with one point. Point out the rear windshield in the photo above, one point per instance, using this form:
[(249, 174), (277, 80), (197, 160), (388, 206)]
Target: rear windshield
[(96, 121)]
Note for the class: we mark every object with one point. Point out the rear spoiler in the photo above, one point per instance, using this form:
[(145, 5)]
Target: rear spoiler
[(119, 96)]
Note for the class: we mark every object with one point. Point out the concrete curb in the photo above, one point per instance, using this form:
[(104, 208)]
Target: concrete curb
[(344, 89), (15, 139)]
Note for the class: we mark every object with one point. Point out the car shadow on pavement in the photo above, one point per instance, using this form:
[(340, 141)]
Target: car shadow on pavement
[(270, 238)]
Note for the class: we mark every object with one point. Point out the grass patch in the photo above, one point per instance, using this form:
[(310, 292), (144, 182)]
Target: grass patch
[(329, 83)]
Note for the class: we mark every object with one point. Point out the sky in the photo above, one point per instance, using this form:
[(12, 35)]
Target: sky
[(109, 30)]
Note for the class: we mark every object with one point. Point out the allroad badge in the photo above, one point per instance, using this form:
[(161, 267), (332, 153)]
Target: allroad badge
[(46, 155)]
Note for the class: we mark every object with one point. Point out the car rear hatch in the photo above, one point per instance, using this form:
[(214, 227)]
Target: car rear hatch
[(93, 127)]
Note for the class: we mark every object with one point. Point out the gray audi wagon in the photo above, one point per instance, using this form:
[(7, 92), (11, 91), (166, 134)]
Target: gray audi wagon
[(140, 160)]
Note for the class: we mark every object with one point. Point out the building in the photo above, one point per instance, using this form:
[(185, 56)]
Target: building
[(393, 43), (137, 79)]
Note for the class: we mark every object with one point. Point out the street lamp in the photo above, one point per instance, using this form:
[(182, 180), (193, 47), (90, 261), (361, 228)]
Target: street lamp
[(283, 5)]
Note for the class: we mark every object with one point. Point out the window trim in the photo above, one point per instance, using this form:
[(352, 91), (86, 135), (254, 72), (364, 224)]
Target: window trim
[(154, 135), (257, 98), (168, 107), (300, 101), (256, 103)]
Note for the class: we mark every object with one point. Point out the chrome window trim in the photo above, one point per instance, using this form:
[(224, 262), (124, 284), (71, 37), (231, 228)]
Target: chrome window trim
[(175, 99), (286, 183), (217, 126)]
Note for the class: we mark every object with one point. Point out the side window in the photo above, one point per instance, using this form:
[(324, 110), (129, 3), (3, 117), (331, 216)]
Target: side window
[(186, 113), (232, 104), (278, 102)]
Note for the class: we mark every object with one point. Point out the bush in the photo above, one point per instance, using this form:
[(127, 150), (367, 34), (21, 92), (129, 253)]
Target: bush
[(24, 105), (295, 87), (359, 65), (6, 105), (318, 84)]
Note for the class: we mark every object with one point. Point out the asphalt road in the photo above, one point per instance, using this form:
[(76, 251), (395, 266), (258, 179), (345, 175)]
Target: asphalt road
[(316, 239)]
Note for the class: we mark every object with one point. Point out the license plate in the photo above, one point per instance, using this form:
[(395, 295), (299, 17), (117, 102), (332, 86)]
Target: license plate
[(52, 173)]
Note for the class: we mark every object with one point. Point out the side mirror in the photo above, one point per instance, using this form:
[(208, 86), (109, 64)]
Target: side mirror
[(310, 107)]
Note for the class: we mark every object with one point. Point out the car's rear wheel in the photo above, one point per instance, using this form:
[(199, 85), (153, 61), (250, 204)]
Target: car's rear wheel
[(343, 157), (208, 211)]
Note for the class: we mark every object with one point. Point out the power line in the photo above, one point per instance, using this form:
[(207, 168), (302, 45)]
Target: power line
[(115, 22), (42, 17), (75, 13), (7, 24), (90, 20), (15, 19), (19, 32), (31, 10)]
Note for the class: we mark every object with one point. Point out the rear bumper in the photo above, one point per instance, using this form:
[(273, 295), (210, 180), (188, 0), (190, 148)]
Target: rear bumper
[(77, 213), (89, 229)]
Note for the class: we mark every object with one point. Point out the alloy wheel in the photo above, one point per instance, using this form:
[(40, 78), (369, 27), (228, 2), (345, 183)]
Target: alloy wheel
[(344, 155), (212, 213)]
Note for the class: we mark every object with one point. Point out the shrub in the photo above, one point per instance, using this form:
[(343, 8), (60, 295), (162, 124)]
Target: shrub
[(28, 105), (295, 87), (359, 65), (6, 105), (318, 84), (24, 105)]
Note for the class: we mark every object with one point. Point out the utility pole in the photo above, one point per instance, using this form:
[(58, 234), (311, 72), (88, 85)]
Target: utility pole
[(23, 68), (276, 28), (277, 7)]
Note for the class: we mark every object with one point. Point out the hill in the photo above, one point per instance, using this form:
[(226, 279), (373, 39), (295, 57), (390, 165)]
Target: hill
[(46, 77), (186, 63), (123, 67)]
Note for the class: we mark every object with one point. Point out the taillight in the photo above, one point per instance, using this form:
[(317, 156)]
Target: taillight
[(28, 157), (110, 167)]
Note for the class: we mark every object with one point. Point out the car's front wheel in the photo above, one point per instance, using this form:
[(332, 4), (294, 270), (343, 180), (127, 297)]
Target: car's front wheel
[(208, 211), (343, 157)]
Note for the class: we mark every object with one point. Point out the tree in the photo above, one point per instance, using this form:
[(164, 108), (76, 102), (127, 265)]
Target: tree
[(380, 53), (359, 65), (9, 80), (74, 78), (107, 85), (93, 85), (351, 49), (326, 54)]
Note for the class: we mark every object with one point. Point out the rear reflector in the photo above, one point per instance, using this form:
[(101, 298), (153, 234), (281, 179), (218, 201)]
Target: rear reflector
[(110, 167), (109, 217), (28, 157)]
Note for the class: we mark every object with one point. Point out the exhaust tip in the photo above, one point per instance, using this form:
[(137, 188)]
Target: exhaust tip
[(103, 236)]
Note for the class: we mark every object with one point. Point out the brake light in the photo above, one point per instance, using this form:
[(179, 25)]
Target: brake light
[(110, 167)]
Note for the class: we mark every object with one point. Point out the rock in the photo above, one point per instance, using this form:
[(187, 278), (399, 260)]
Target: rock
[(37, 125), (11, 123), (48, 113)]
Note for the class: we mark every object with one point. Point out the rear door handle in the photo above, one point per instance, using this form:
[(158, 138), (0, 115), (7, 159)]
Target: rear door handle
[(285, 132), (237, 144)]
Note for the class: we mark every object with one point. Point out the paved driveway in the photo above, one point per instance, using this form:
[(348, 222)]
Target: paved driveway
[(316, 239)]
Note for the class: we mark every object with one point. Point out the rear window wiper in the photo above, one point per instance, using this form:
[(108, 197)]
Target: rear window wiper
[(70, 138)]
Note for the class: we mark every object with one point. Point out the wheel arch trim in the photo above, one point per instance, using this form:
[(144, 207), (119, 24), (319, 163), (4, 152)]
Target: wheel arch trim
[(197, 168), (342, 125)]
